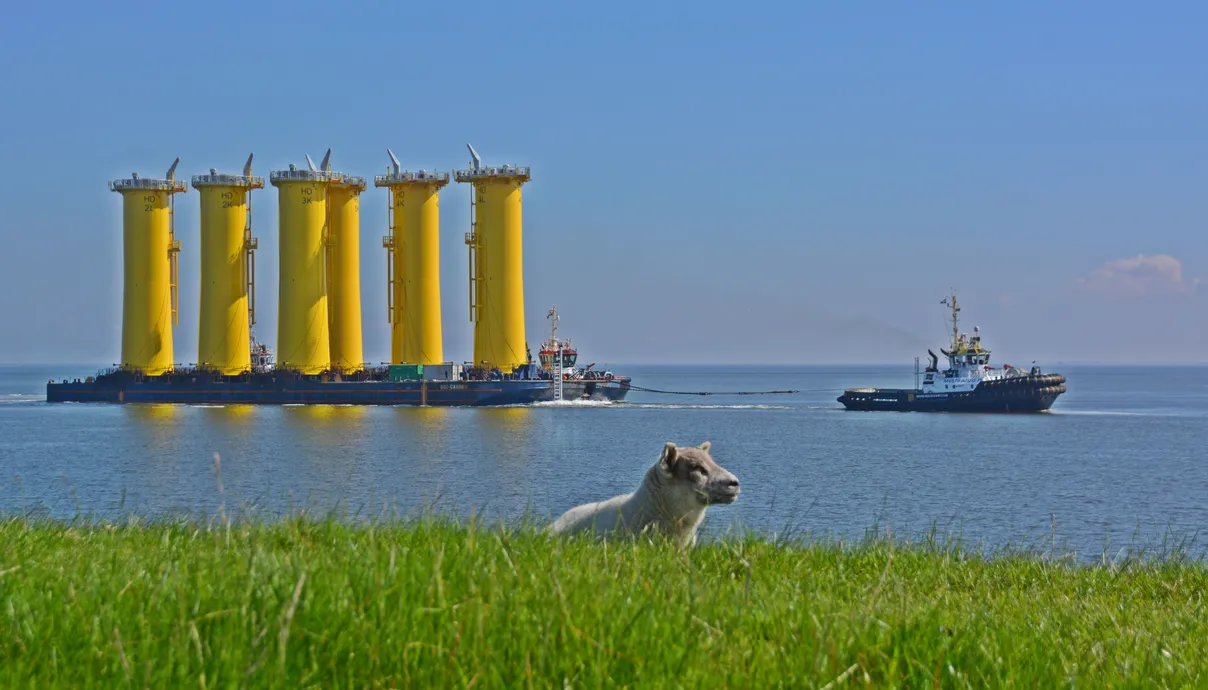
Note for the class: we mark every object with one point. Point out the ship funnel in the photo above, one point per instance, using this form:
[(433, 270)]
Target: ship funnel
[(309, 163), (474, 154), (172, 170), (326, 164), (394, 161), (247, 167)]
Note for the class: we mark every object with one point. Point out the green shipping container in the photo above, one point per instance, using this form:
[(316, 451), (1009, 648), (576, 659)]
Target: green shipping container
[(405, 372)]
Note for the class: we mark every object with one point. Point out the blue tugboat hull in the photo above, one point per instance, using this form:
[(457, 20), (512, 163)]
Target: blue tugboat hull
[(1033, 393)]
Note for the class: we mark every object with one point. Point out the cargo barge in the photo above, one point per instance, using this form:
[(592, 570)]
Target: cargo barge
[(319, 329), (285, 388), (968, 384), (398, 384)]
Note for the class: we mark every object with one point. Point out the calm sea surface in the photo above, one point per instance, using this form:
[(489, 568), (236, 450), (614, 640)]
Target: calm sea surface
[(1121, 458)]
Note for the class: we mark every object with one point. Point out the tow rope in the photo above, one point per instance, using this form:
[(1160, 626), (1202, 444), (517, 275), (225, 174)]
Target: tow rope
[(655, 390)]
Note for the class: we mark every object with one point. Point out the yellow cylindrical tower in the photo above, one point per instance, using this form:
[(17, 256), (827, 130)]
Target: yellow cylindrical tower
[(303, 341), (149, 295), (227, 246), (497, 279), (344, 271), (413, 260)]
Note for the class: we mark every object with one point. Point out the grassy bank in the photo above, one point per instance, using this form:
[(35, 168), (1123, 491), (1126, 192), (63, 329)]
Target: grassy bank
[(436, 604)]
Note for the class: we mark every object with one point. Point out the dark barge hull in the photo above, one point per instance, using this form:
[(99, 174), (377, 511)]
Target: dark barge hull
[(293, 390), (1033, 393)]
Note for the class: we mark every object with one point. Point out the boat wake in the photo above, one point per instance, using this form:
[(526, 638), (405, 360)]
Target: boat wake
[(683, 406), (1114, 413), (574, 403), (652, 406), (18, 398)]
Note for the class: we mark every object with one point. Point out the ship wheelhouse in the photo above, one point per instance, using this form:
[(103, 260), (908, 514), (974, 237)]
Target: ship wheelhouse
[(550, 349), (549, 358), (969, 359)]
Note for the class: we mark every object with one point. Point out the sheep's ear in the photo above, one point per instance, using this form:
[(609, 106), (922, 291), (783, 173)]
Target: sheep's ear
[(705, 446), (670, 453)]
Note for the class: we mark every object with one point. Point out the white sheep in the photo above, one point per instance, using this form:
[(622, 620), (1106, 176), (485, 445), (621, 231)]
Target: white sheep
[(671, 499)]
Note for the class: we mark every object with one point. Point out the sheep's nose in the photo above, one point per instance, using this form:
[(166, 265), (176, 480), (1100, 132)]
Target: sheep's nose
[(732, 482)]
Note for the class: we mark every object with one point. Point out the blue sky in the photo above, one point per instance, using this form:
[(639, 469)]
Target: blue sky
[(750, 182)]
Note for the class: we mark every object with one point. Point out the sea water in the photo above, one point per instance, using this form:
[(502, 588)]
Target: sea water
[(1120, 459)]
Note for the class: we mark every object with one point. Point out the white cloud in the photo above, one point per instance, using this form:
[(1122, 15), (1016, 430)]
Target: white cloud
[(1140, 275)]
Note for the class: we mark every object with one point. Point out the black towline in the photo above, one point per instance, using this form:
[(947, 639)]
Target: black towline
[(655, 390)]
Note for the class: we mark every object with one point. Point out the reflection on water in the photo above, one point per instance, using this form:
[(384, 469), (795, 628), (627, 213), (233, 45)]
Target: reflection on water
[(227, 426), (422, 419), (426, 427), (326, 415), (512, 441), (507, 432), (506, 427), (342, 438), (240, 414), (328, 425), (157, 423), (153, 411), (160, 427)]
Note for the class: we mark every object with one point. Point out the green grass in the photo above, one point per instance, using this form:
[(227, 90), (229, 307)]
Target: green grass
[(433, 603)]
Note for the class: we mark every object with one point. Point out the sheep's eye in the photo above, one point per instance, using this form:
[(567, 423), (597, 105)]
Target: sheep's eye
[(700, 470)]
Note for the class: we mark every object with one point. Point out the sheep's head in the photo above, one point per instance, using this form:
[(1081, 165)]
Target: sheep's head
[(693, 476)]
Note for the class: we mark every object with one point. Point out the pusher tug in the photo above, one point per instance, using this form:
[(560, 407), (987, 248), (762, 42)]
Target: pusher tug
[(558, 360)]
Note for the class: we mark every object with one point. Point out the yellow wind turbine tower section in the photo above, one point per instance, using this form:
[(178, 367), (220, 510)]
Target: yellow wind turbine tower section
[(497, 263), (227, 270), (413, 264), (344, 271), (303, 343), (149, 254)]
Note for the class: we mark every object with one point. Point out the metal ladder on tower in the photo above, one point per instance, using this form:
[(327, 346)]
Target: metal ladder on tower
[(553, 317), (558, 374)]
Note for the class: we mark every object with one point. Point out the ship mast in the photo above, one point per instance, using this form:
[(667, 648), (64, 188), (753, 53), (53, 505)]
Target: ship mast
[(553, 318), (956, 339)]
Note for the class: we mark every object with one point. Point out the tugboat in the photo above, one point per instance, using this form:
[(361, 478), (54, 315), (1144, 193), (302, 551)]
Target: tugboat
[(558, 359), (262, 356), (969, 384)]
